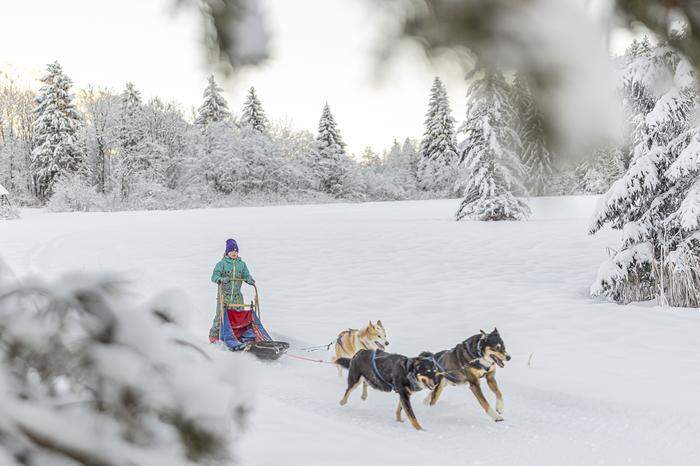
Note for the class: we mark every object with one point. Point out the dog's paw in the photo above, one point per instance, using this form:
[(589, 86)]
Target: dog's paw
[(494, 415), (427, 399), (363, 397), (343, 402), (499, 406)]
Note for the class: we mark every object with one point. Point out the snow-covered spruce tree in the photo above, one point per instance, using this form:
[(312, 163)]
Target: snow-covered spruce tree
[(88, 378), (437, 168), (400, 167), (370, 159), (492, 168), (213, 117), (394, 158), (253, 113), (132, 139), (56, 151), (597, 173), (412, 156), (535, 155), (655, 202), (331, 161), (214, 108)]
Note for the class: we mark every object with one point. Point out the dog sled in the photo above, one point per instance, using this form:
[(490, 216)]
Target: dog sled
[(241, 329)]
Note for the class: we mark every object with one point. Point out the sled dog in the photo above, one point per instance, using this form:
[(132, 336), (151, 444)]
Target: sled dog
[(391, 372), (350, 341), (467, 363)]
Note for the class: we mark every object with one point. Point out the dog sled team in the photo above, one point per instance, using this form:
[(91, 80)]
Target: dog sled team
[(362, 352)]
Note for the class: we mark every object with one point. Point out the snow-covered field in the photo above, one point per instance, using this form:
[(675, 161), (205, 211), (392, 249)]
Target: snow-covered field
[(606, 384)]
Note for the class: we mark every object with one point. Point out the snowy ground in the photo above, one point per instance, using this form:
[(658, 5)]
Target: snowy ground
[(607, 384)]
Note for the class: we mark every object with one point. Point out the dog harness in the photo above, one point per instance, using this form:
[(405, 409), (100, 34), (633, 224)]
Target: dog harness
[(445, 372), (377, 373), (339, 341), (479, 354)]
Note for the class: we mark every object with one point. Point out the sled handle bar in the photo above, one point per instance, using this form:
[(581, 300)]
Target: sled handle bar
[(256, 301)]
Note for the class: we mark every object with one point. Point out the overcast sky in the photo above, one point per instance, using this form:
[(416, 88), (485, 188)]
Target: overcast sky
[(322, 52)]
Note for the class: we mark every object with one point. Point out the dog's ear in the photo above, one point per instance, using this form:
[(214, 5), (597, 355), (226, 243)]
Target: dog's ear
[(370, 324), (379, 322), (426, 354), (483, 334), (495, 331)]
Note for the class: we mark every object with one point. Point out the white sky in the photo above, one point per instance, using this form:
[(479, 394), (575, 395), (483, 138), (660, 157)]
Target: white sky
[(322, 51)]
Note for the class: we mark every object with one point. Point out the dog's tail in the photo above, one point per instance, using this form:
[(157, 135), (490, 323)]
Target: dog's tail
[(343, 362)]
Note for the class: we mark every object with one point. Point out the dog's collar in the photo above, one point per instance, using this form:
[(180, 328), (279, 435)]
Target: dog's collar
[(482, 366), (477, 358), (479, 353)]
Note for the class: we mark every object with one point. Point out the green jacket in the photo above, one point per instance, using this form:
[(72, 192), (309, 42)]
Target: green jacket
[(233, 269)]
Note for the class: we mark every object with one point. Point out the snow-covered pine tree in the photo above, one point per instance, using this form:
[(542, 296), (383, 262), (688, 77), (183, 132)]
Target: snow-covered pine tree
[(597, 173), (214, 108), (370, 159), (253, 113), (399, 165), (132, 138), (535, 154), (213, 117), (410, 153), (394, 158), (654, 203), (56, 151), (493, 170), (437, 168), (679, 280), (331, 164)]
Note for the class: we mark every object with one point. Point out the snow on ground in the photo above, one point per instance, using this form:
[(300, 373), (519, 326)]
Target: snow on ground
[(606, 384)]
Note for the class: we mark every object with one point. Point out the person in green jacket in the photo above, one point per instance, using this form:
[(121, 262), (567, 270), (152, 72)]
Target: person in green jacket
[(229, 273)]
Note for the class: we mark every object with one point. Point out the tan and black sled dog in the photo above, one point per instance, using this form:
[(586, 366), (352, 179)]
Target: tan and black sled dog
[(467, 363), (350, 341)]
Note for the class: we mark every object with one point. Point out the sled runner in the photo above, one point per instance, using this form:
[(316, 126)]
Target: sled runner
[(241, 329)]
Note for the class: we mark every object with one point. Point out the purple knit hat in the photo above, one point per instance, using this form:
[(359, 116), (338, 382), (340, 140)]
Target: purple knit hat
[(231, 245)]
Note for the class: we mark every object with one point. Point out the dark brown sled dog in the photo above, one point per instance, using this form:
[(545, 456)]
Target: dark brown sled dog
[(469, 361), (391, 372)]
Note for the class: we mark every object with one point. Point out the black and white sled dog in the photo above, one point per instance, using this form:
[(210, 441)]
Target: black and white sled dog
[(391, 372), (474, 358)]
